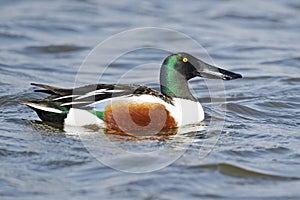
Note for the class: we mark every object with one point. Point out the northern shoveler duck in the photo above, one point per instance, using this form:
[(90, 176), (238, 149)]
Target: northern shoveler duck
[(126, 108)]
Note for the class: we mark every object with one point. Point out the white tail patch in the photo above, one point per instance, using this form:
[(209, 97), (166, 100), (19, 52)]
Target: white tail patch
[(44, 108), (78, 117)]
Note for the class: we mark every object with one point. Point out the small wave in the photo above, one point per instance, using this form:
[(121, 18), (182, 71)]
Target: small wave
[(11, 153), (294, 5), (277, 105), (52, 49), (243, 172), (13, 36), (57, 164), (291, 80), (244, 110), (258, 152), (248, 48), (294, 61), (8, 100), (15, 99), (248, 17), (258, 77)]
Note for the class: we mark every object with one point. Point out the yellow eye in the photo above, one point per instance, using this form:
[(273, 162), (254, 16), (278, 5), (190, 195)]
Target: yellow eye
[(184, 60)]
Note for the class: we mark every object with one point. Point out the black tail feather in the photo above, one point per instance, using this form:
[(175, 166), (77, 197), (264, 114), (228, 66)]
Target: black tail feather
[(53, 90)]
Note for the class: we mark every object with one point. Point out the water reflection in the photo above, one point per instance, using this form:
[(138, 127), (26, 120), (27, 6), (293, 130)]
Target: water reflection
[(136, 153)]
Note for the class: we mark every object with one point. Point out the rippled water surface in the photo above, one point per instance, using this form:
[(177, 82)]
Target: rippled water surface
[(257, 152)]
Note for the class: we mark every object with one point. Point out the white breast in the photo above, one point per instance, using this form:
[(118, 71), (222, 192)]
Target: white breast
[(187, 111)]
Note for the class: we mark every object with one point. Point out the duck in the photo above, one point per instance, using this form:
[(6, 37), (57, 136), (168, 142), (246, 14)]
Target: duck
[(131, 108)]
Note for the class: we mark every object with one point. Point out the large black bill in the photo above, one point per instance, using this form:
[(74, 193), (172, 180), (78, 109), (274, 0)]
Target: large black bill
[(208, 71)]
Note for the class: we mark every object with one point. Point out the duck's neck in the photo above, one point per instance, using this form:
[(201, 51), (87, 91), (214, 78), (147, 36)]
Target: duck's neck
[(174, 84)]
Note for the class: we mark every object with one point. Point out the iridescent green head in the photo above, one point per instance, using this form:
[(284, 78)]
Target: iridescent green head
[(178, 68)]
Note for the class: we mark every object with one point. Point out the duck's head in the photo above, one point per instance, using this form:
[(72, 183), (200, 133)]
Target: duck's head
[(178, 68)]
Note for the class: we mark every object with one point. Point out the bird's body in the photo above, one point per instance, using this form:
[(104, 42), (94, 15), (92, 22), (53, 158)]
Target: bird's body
[(127, 108)]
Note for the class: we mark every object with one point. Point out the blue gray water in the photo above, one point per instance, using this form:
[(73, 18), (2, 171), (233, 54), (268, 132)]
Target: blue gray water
[(257, 154)]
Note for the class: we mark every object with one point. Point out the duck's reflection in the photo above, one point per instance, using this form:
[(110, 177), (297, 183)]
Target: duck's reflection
[(135, 135), (135, 152)]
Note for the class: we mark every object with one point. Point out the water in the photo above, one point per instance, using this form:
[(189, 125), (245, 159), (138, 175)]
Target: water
[(257, 154)]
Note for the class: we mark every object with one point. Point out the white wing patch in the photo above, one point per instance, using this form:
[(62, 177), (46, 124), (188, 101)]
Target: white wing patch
[(96, 92), (74, 103), (65, 97)]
